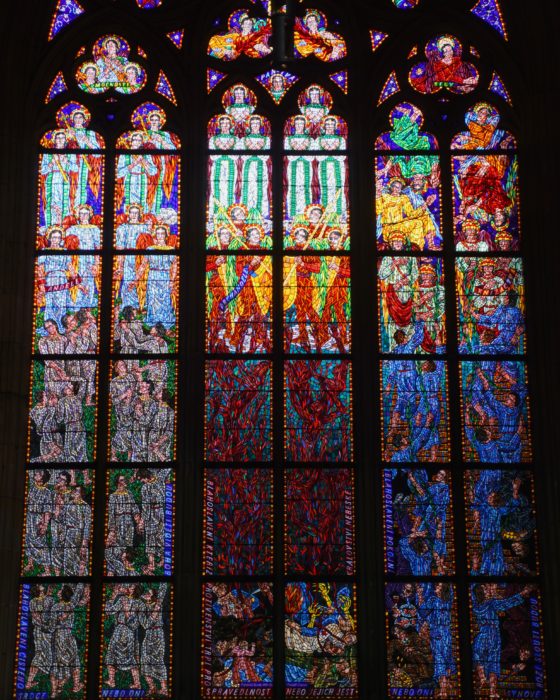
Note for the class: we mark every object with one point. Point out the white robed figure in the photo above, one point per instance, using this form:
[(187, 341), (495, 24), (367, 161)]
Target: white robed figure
[(59, 176), (124, 517), (123, 650), (40, 508), (77, 524), (153, 513), (70, 413), (136, 177), (152, 651), (40, 607), (89, 238), (57, 277), (66, 656)]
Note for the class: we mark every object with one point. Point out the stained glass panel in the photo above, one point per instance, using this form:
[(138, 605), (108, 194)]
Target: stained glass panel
[(408, 203), (405, 4), (411, 296), (317, 301), (315, 202), (58, 522), (139, 522), (277, 83), (377, 37), (482, 130), (237, 521), (72, 120), (62, 411), (239, 303), (245, 36), (318, 410), (148, 4), (312, 38), (239, 128), (58, 86), (414, 411), (66, 11), (418, 523), (321, 639), (501, 529), (142, 398), (145, 303), (70, 196), (176, 37), (213, 77), (239, 205), (148, 121), (507, 645), (165, 89), (134, 612), (496, 425), (491, 303), (315, 128), (498, 87), (406, 134), (51, 656), (66, 308), (444, 68), (489, 11), (110, 68), (422, 640), (485, 202), (146, 199), (238, 414), (390, 88), (237, 640), (319, 522)]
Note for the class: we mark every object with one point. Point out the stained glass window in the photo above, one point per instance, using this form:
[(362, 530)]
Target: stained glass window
[(251, 361)]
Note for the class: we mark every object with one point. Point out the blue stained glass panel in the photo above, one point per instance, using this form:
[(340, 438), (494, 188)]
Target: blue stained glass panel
[(414, 407), (422, 636), (507, 644), (418, 522), (496, 420), (501, 528), (66, 12)]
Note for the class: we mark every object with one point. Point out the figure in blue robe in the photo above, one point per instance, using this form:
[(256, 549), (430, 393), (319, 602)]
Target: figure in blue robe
[(437, 608), (487, 646)]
